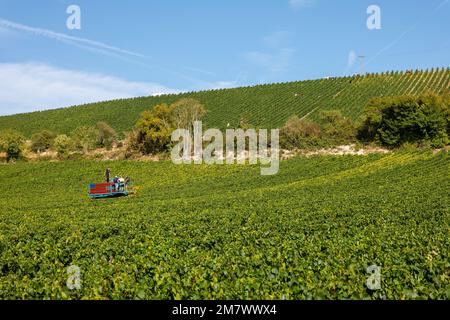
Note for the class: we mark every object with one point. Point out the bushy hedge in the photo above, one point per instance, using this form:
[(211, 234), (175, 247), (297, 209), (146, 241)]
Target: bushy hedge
[(393, 121), (42, 141), (12, 143), (332, 129), (300, 133)]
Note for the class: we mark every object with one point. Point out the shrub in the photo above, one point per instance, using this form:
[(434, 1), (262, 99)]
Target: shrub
[(13, 143), (394, 121), (332, 129), (85, 138), (106, 136), (42, 141), (63, 145), (337, 129), (300, 133), (131, 143)]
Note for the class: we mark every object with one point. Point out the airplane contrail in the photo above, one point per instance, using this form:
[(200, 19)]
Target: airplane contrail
[(404, 33), (65, 38), (98, 47)]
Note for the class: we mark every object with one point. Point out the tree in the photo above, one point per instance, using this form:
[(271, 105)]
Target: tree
[(85, 138), (13, 143), (336, 128), (300, 133), (393, 121), (153, 129), (131, 143), (106, 135), (185, 112), (42, 141), (62, 145)]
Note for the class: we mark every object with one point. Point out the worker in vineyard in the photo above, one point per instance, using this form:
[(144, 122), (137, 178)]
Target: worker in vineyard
[(127, 182), (116, 183), (107, 174), (121, 182)]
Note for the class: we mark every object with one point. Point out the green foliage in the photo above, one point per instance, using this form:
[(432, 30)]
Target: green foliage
[(13, 143), (153, 129), (63, 145), (264, 106), (42, 141), (225, 232), (393, 121), (336, 128), (300, 133), (333, 129), (85, 138), (185, 112), (106, 136)]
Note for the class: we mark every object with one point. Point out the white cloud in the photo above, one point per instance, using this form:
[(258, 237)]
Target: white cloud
[(26, 87), (259, 58), (274, 62), (277, 39), (299, 4), (5, 33), (352, 56), (351, 60), (198, 70), (277, 56), (97, 47), (222, 85)]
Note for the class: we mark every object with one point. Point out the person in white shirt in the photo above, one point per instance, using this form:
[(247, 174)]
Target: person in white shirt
[(121, 183)]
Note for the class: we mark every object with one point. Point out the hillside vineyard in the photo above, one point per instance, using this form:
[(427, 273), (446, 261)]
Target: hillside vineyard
[(265, 106), (226, 232)]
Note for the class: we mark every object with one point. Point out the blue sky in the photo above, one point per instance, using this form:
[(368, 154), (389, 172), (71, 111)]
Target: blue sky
[(135, 48)]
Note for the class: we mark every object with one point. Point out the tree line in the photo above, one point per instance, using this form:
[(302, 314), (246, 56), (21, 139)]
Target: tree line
[(151, 134), (82, 139), (390, 122)]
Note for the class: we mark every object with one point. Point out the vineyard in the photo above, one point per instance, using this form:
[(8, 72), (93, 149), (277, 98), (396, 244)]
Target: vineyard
[(225, 231), (265, 106)]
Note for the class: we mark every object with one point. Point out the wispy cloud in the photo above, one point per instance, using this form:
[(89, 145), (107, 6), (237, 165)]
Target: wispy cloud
[(222, 85), (273, 62), (351, 60), (417, 21), (7, 27), (67, 38), (277, 39), (198, 70), (4, 32), (299, 4), (277, 56), (352, 56), (26, 87)]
